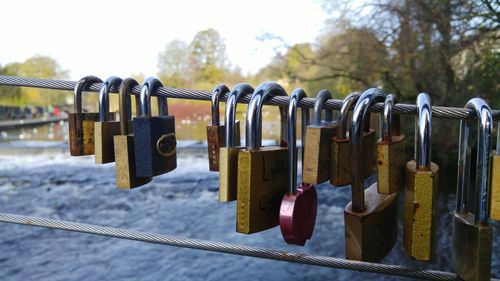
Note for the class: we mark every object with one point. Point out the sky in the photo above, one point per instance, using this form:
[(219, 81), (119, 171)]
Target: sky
[(106, 38)]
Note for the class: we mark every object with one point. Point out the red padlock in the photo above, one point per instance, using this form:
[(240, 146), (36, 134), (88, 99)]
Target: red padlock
[(298, 206)]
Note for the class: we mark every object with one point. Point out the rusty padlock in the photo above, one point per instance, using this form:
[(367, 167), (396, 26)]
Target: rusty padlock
[(228, 155), (154, 136), (340, 167), (298, 206), (262, 171), (370, 218), (126, 177), (106, 129), (81, 124), (215, 131), (390, 151), (472, 234), (422, 177), (495, 180), (317, 145)]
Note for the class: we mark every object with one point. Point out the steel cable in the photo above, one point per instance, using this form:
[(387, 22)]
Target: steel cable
[(228, 248), (403, 109)]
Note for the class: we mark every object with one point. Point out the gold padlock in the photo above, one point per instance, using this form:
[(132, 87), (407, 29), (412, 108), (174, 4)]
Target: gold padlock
[(317, 143), (262, 171), (81, 124), (228, 155), (472, 234), (422, 177), (390, 151), (340, 167), (495, 180), (105, 129), (370, 218), (215, 131), (126, 177)]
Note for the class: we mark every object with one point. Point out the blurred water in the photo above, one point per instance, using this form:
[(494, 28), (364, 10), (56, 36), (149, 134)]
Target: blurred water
[(47, 182)]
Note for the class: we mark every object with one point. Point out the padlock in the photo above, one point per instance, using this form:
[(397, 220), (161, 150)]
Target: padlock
[(228, 155), (81, 124), (390, 151), (126, 177), (154, 137), (105, 129), (472, 235), (370, 218), (422, 177), (298, 206), (262, 171), (215, 131), (495, 180), (317, 145), (340, 167)]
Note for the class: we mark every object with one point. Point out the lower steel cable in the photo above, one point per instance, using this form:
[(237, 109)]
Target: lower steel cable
[(228, 248)]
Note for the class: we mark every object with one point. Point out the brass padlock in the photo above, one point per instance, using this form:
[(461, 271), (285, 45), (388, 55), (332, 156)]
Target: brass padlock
[(105, 129), (472, 234), (262, 171), (495, 180), (422, 177), (317, 143), (81, 124), (228, 155), (298, 206), (340, 167), (215, 131), (390, 151), (370, 218), (126, 177)]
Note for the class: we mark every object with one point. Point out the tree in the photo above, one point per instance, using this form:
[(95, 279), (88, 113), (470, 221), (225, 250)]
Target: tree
[(208, 56), (173, 63)]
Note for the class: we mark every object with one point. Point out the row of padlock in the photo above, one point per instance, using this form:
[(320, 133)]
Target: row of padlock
[(141, 148), (263, 180)]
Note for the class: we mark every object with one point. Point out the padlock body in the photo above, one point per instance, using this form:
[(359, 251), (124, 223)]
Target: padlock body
[(471, 248), (81, 133), (104, 144), (420, 207), (298, 214), (390, 164), (262, 181), (228, 173), (495, 187), (317, 153), (370, 235), (340, 169), (126, 177), (155, 145), (216, 138)]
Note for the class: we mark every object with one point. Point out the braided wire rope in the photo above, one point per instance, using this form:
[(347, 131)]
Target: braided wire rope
[(402, 109), (228, 248)]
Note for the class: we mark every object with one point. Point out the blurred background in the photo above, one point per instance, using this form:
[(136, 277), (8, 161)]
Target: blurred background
[(449, 49)]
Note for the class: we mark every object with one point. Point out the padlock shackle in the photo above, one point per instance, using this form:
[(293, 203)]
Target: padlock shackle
[(221, 89), (265, 91), (390, 123), (125, 104), (296, 96), (368, 98), (80, 86), (483, 165), (240, 90), (423, 130), (147, 88), (347, 104), (319, 101), (104, 97)]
